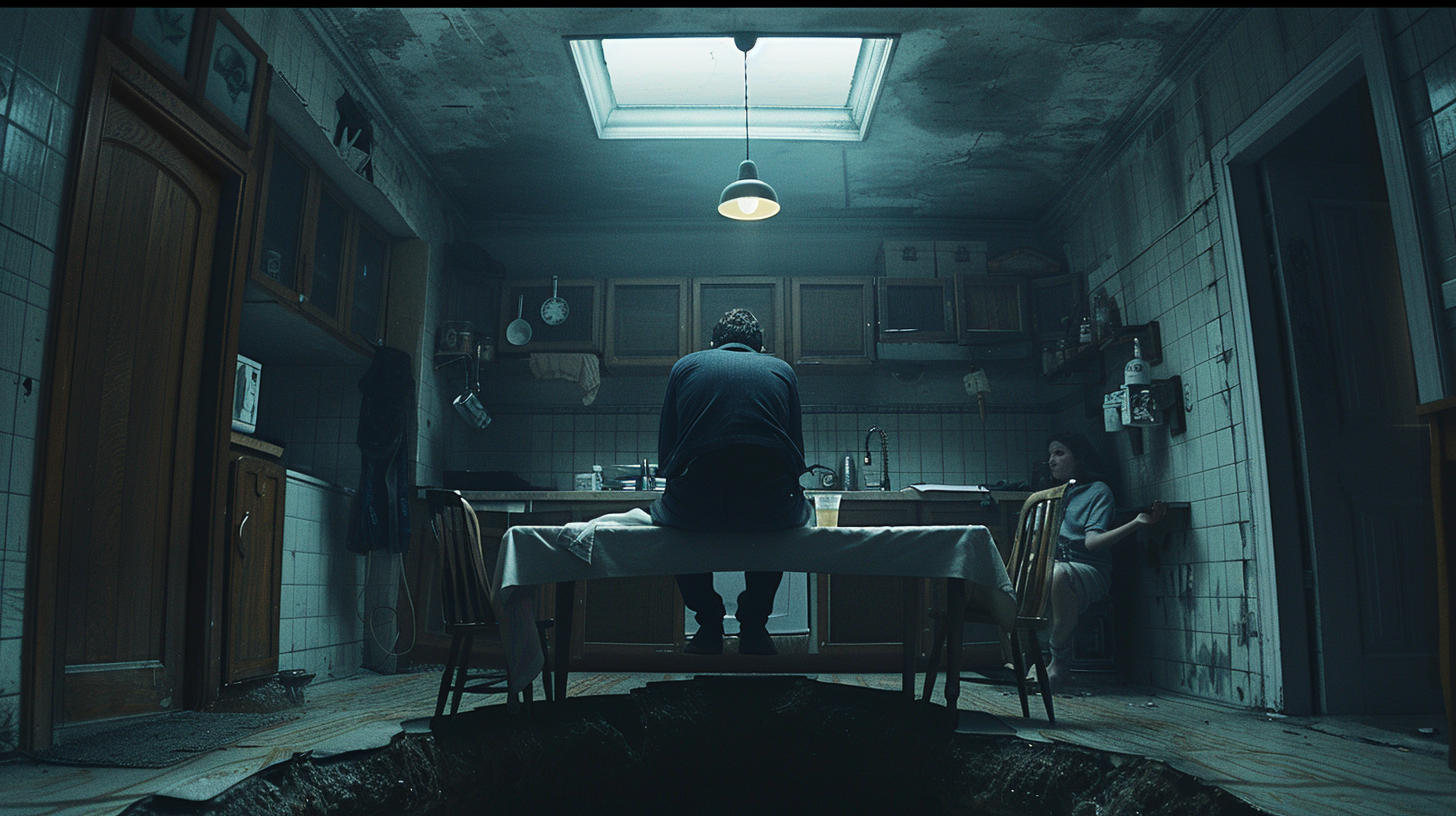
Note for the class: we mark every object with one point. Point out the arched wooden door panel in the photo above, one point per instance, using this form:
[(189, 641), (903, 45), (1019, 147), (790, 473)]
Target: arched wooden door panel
[(131, 405)]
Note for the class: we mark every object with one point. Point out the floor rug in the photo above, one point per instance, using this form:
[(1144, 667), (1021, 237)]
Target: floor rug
[(158, 742)]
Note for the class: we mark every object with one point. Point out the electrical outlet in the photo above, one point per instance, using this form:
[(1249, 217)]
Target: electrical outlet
[(1187, 396)]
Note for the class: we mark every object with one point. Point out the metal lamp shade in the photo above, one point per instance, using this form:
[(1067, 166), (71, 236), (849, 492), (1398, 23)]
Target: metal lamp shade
[(748, 185)]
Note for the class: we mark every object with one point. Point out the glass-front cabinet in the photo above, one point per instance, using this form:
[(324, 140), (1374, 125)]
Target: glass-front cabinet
[(713, 297), (551, 315), (332, 224), (647, 322), (833, 320), (315, 250)]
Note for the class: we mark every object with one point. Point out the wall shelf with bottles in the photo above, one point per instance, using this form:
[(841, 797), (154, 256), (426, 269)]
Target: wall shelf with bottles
[(1089, 357)]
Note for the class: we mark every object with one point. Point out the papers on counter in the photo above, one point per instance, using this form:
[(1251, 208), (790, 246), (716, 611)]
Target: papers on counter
[(948, 488)]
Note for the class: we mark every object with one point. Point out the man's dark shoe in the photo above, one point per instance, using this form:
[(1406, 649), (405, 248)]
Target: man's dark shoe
[(705, 642), (755, 641)]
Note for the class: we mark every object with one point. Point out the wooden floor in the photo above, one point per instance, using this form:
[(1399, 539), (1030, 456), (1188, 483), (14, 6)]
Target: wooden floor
[(1288, 766)]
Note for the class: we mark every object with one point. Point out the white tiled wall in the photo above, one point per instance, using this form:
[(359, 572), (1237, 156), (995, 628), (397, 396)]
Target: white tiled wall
[(314, 412), (927, 444), (40, 71), (1150, 234), (321, 629), (1425, 70)]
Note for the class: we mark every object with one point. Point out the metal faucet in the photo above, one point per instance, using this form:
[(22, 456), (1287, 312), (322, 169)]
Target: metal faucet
[(884, 454)]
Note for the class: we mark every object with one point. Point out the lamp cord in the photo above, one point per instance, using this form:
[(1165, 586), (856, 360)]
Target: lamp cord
[(745, 106)]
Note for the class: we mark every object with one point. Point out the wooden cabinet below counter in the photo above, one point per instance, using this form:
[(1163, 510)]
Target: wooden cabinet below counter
[(254, 568)]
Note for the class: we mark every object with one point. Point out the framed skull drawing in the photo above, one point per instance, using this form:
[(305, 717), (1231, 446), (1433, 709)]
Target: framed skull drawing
[(166, 38), (233, 68)]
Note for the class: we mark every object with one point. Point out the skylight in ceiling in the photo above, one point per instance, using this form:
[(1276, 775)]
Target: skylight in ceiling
[(821, 88)]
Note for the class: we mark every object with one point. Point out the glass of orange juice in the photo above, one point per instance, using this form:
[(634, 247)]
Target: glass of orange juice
[(826, 509)]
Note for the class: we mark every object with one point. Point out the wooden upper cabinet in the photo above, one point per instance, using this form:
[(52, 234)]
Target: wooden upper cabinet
[(330, 247), (833, 320), (580, 331), (917, 310), (280, 264), (315, 250), (713, 297), (647, 322), (993, 308)]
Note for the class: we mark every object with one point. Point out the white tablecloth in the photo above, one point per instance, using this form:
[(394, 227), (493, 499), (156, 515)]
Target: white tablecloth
[(628, 544)]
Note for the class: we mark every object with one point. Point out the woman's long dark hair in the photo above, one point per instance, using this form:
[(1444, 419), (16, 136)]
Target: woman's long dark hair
[(1089, 462)]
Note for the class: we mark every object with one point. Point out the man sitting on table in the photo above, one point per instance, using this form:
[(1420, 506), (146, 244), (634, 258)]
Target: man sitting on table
[(731, 447)]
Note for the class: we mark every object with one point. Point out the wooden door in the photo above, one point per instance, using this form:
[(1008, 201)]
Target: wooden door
[(131, 402), (254, 569), (1361, 455)]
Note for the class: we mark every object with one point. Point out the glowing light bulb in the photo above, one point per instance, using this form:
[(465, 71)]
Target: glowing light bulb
[(748, 204)]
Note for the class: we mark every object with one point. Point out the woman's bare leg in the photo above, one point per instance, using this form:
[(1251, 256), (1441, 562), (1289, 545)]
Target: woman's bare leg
[(1064, 622)]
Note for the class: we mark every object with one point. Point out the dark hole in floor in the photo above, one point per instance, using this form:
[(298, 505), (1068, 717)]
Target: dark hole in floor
[(716, 745)]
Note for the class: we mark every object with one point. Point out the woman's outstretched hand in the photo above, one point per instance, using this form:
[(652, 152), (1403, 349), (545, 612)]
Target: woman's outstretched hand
[(1153, 516)]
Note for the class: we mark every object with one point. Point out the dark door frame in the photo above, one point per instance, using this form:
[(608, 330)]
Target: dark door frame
[(1283, 626), (42, 658)]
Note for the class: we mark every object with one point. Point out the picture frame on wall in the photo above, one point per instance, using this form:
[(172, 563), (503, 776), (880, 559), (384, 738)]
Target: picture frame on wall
[(233, 70), (166, 38)]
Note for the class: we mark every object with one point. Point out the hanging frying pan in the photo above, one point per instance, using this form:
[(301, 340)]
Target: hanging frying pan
[(554, 311), (518, 333)]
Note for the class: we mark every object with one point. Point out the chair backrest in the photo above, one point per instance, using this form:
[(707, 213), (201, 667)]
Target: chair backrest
[(464, 571), (1035, 548)]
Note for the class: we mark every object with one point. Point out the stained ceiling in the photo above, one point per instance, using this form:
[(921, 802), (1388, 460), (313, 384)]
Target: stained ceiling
[(986, 114)]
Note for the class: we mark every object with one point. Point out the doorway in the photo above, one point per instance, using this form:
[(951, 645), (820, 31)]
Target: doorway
[(1347, 458)]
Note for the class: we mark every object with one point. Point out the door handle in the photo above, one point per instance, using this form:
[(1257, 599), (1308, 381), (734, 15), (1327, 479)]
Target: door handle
[(242, 525)]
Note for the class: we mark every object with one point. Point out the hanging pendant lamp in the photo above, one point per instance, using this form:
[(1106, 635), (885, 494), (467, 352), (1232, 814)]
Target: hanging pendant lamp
[(748, 198)]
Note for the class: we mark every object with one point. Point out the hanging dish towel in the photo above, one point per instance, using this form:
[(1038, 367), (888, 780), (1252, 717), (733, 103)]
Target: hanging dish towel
[(579, 368)]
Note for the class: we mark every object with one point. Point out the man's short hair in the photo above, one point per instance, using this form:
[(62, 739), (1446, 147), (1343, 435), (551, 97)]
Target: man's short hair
[(738, 326)]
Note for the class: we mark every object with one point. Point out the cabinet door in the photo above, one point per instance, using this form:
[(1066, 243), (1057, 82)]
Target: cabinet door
[(279, 262), (917, 310), (582, 329), (1054, 299), (647, 322), (833, 320), (371, 265), (713, 297), (325, 290), (861, 615), (254, 569), (993, 308)]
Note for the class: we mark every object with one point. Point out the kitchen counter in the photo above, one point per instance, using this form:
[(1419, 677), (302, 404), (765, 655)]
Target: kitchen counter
[(535, 501)]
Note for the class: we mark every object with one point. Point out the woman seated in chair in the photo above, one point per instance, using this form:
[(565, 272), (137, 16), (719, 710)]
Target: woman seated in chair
[(1083, 572)]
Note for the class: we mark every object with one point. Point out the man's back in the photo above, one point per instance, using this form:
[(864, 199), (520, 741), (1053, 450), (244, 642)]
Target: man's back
[(726, 397)]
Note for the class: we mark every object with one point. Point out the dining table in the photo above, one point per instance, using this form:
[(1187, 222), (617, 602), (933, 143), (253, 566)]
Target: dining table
[(628, 545)]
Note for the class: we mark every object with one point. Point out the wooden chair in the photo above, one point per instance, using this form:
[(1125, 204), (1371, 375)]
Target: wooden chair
[(469, 609), (1033, 554)]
